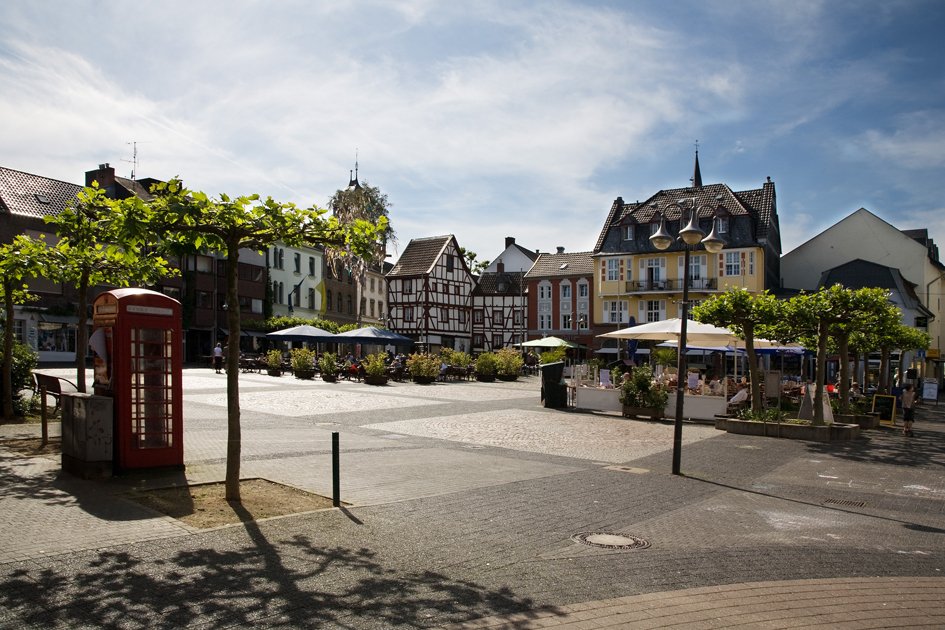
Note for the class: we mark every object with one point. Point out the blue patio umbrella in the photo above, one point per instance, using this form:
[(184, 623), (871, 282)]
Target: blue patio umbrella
[(371, 334)]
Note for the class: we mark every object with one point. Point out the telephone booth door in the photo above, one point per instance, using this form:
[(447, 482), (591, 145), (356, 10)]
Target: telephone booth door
[(142, 338)]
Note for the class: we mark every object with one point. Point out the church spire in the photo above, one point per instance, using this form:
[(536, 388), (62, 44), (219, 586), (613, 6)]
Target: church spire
[(353, 183), (696, 173)]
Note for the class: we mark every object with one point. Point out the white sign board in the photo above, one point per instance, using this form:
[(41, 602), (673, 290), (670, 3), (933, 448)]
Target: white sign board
[(930, 390)]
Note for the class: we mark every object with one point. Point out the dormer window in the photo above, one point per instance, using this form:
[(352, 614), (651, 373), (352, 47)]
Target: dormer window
[(628, 232), (723, 225)]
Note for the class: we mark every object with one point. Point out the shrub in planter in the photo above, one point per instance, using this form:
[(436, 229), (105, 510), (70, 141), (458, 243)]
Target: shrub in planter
[(274, 363), (375, 368), (508, 363), (303, 363), (24, 362), (554, 355), (328, 366), (424, 368), (485, 367), (639, 395)]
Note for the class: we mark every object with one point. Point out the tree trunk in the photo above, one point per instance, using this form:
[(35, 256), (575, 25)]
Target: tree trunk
[(82, 332), (753, 380), (820, 377), (884, 371), (8, 351), (234, 439), (844, 343)]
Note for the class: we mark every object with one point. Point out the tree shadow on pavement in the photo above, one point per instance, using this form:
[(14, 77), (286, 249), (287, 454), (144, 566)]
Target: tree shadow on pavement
[(926, 449), (253, 581)]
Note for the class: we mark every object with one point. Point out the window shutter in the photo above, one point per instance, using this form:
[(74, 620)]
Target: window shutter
[(744, 268), (662, 310), (621, 270), (603, 270), (680, 268), (641, 311), (721, 265)]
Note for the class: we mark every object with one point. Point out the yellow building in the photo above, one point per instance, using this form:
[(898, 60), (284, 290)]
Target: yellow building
[(636, 283)]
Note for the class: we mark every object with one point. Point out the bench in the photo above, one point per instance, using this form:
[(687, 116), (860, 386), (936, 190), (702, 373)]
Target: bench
[(48, 385)]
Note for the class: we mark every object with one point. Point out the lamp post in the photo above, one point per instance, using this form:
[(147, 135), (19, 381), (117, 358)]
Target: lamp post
[(691, 235)]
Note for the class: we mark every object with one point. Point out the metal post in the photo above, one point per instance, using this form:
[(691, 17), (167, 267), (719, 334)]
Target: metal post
[(681, 367), (335, 472)]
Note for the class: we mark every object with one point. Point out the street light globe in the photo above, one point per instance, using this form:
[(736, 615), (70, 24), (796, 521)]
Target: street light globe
[(691, 234), (661, 238), (713, 243)]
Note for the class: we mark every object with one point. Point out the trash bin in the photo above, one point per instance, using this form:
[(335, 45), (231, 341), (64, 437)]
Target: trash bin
[(553, 390), (87, 435)]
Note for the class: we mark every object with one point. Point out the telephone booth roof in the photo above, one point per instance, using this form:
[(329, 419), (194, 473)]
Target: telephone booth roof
[(131, 292)]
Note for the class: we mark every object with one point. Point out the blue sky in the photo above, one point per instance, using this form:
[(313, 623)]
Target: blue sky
[(492, 119)]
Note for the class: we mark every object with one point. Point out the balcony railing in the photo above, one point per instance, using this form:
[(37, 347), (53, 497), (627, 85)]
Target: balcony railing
[(697, 284)]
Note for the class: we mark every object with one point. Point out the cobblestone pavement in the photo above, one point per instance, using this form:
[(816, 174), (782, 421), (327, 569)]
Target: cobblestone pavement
[(468, 499)]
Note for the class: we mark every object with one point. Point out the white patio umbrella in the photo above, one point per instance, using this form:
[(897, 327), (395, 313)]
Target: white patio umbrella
[(548, 342), (697, 334)]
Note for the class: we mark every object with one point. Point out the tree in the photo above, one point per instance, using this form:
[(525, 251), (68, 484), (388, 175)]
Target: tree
[(20, 260), (180, 217), (476, 267), (360, 202), (88, 254), (744, 313)]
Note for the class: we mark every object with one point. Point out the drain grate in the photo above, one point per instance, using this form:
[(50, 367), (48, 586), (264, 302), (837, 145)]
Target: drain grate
[(610, 541), (845, 503)]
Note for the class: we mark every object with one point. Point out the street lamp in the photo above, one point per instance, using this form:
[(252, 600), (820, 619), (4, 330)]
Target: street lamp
[(691, 235)]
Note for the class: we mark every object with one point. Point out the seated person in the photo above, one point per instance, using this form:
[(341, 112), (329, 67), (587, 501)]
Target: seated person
[(741, 396)]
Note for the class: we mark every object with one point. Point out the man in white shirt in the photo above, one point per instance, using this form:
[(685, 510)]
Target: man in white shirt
[(740, 396)]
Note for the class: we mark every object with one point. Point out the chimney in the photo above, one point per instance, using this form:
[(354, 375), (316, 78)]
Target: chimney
[(509, 241), (104, 175), (500, 267), (560, 249)]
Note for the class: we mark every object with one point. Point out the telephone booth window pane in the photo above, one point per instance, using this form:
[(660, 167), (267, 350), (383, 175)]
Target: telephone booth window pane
[(151, 388)]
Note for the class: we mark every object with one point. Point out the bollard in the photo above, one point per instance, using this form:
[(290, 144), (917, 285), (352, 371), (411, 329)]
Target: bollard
[(335, 473)]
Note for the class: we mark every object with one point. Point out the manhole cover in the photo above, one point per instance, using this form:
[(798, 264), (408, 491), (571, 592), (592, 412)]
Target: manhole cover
[(610, 541)]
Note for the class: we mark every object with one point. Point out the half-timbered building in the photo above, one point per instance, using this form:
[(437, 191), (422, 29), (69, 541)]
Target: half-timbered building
[(429, 294), (499, 299)]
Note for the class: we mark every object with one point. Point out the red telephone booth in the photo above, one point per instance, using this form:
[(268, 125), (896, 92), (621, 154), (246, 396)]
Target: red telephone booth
[(137, 346)]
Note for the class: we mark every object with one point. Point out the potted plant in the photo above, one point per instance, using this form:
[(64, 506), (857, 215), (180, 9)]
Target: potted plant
[(641, 396), (485, 367), (328, 366), (508, 364), (423, 367), (274, 363), (375, 369), (303, 363)]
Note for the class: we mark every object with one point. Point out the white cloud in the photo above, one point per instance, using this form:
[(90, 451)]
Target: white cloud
[(916, 141)]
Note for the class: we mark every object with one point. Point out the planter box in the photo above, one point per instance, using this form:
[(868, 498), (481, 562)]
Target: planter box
[(486, 378), (377, 379), (653, 413), (825, 433), (423, 380), (697, 406), (507, 377), (274, 371), (329, 378), (305, 374)]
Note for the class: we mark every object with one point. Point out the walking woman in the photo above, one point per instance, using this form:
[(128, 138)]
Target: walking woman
[(908, 409)]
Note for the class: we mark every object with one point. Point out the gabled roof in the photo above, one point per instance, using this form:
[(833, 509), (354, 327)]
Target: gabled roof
[(27, 195), (421, 255), (860, 273), (562, 265), (504, 283), (531, 255), (758, 203)]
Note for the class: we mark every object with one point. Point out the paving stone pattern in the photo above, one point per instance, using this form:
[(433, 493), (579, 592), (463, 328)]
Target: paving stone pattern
[(465, 500)]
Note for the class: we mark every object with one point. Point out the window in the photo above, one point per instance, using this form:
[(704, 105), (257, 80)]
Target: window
[(615, 312), (445, 315), (497, 341), (697, 268), (281, 292), (311, 299), (19, 330), (654, 227), (380, 310), (202, 264), (372, 308), (204, 299), (582, 321), (297, 296), (408, 286), (582, 289), (327, 300), (733, 265), (350, 306), (628, 233), (751, 263), (363, 308), (497, 318), (462, 317), (372, 285), (341, 303), (298, 262), (613, 269), (544, 290), (655, 310), (311, 265), (478, 340), (256, 306), (565, 291), (408, 313), (478, 316), (449, 263), (566, 322), (723, 225), (544, 321), (517, 317)]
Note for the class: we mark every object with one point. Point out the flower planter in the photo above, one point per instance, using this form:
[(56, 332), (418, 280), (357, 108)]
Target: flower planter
[(375, 379), (824, 433), (507, 377), (329, 378), (274, 371), (305, 374), (423, 380), (486, 378), (653, 413)]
